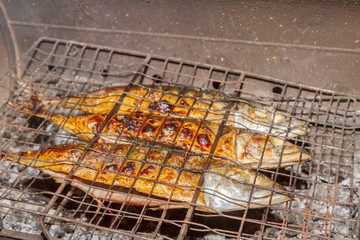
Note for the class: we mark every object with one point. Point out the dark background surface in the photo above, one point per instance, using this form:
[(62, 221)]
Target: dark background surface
[(306, 42)]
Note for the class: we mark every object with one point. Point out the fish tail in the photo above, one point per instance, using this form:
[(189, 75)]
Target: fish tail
[(27, 107), (38, 98), (69, 124), (26, 158)]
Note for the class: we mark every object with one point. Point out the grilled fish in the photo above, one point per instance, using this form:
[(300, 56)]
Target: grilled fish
[(179, 102), (157, 173), (239, 145)]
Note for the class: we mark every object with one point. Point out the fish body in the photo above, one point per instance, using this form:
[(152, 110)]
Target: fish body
[(179, 102), (157, 173), (239, 145)]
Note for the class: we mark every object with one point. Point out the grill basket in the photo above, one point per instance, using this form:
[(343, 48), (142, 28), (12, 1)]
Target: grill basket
[(324, 192)]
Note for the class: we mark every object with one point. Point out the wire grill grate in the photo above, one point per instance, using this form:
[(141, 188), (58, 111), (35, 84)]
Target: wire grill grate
[(324, 192)]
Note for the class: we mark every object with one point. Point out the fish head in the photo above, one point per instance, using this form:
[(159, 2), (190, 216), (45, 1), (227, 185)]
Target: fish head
[(229, 188), (269, 120)]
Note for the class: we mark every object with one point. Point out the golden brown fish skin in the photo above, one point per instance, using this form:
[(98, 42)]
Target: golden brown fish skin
[(103, 100), (239, 145), (185, 133), (196, 103), (105, 163), (160, 100), (119, 165), (102, 193)]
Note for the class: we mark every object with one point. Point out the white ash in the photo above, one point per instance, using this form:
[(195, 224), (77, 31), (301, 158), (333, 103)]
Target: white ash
[(72, 232), (11, 172), (84, 233), (216, 237), (357, 166), (319, 208), (20, 220), (336, 173)]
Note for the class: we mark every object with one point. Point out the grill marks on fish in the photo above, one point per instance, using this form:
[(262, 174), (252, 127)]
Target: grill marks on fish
[(134, 125), (148, 129), (170, 128), (241, 146), (112, 167), (177, 174), (167, 130), (184, 103), (147, 170), (129, 168), (180, 102), (103, 167), (162, 106), (192, 135), (160, 99), (203, 140)]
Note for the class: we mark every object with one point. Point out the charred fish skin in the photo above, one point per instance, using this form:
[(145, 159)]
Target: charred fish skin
[(239, 145), (180, 102), (148, 170)]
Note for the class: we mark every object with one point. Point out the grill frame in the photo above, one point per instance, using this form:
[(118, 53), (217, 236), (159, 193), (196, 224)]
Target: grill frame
[(335, 114)]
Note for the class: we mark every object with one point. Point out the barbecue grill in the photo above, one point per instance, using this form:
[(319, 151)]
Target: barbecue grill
[(324, 192)]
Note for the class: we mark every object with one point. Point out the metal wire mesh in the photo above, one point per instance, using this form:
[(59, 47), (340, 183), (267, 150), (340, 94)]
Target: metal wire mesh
[(324, 192)]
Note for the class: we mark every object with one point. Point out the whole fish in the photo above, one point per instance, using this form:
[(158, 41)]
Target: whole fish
[(156, 173), (179, 102), (239, 145)]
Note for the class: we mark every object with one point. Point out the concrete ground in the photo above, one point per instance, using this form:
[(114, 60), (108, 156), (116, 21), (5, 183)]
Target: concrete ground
[(307, 42)]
